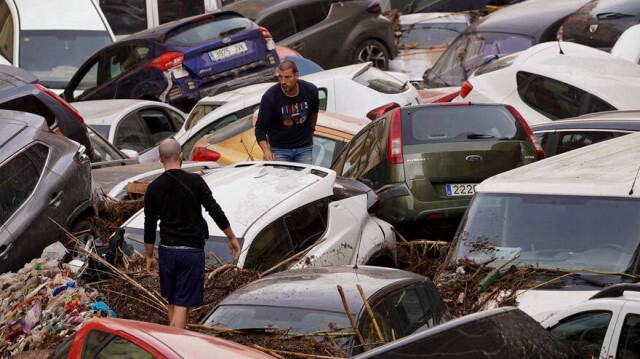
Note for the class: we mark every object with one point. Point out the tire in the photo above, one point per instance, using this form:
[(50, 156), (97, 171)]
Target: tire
[(374, 51)]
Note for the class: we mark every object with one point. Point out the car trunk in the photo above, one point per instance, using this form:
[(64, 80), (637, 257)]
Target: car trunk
[(209, 59), (452, 168)]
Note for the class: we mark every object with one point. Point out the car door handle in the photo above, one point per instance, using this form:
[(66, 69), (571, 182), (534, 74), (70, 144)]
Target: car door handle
[(55, 199), (298, 45)]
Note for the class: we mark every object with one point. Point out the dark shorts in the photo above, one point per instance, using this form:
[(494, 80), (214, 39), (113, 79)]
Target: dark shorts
[(181, 275)]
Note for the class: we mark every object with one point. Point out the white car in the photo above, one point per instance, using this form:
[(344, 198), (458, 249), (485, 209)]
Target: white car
[(351, 90), (133, 125), (423, 38), (555, 80), (51, 38), (279, 209), (605, 326)]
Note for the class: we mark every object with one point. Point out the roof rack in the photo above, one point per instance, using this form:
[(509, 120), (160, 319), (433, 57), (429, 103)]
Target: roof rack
[(616, 290)]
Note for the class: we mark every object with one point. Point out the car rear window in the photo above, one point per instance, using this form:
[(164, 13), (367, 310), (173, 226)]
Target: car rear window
[(460, 124), (380, 81), (207, 30)]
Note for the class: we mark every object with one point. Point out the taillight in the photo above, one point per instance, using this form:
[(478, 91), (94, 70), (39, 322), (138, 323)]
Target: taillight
[(379, 111), (61, 101), (394, 146), (203, 154), (465, 89), (271, 45), (539, 151), (166, 61)]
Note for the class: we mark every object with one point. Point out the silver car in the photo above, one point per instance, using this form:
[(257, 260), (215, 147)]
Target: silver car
[(43, 178)]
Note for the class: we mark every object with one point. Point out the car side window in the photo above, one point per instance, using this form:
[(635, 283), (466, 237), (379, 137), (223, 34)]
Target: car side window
[(354, 155), (371, 172), (383, 319), (124, 58), (598, 105), (19, 177), (103, 345), (324, 149), (307, 224), (280, 25), (6, 32), (269, 247), (570, 140), (322, 99), (629, 342), (550, 97), (584, 331), (131, 135), (176, 119), (213, 127), (89, 79), (308, 15), (411, 308), (170, 10), (125, 16), (159, 124)]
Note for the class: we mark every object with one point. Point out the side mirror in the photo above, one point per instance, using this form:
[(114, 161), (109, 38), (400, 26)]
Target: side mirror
[(131, 154)]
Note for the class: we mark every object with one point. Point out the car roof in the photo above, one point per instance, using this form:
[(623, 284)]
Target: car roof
[(344, 123), (595, 123), (59, 15), (434, 17), (107, 112), (530, 18), (315, 287), (598, 72), (158, 33), (608, 168), (16, 76), (251, 193), (259, 8), (185, 343), (349, 71)]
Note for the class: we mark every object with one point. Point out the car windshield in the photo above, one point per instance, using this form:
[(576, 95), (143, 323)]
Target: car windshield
[(106, 150), (569, 233), (380, 81), (468, 52), (427, 35), (207, 30), (55, 55), (197, 113), (295, 320)]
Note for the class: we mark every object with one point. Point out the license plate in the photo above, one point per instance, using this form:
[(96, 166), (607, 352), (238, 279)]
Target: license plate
[(460, 189), (229, 51)]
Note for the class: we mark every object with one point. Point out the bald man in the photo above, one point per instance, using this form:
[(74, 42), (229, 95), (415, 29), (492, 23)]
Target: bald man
[(176, 199)]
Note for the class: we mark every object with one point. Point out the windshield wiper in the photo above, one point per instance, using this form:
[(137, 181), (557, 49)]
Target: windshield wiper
[(476, 136)]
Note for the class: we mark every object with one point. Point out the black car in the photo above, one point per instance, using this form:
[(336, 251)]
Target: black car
[(508, 30), (44, 178), (565, 135), (307, 301), (20, 91), (600, 23), (179, 62), (330, 33), (499, 333)]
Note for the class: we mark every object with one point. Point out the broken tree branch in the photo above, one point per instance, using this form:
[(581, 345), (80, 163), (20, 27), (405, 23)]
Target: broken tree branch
[(291, 259), (368, 307)]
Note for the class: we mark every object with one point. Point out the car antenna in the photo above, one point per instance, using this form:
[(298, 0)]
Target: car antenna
[(560, 47), (634, 181)]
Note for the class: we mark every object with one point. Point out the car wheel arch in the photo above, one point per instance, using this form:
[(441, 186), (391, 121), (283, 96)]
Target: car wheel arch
[(371, 41)]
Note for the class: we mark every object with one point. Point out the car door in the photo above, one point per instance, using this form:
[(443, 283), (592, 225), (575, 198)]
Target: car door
[(7, 30), (158, 122), (308, 20), (587, 330), (283, 29), (122, 72), (86, 83), (625, 341)]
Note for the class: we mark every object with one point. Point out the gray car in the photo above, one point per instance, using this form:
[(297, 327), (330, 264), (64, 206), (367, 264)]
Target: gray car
[(329, 33), (43, 177), (307, 301)]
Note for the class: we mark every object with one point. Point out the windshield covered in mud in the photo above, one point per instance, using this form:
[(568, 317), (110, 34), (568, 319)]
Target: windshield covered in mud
[(569, 233)]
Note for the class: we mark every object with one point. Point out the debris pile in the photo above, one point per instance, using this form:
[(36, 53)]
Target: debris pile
[(113, 213), (43, 302)]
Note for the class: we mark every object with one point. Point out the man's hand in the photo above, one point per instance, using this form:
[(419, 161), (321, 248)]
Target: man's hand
[(268, 156), (234, 248), (151, 265)]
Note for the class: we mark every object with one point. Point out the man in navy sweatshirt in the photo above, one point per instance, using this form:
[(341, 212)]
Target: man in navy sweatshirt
[(287, 117)]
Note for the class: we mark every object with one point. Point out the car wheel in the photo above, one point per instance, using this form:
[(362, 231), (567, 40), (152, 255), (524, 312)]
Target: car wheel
[(374, 51)]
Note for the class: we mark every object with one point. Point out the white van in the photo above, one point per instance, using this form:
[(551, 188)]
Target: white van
[(130, 16), (51, 38), (573, 213)]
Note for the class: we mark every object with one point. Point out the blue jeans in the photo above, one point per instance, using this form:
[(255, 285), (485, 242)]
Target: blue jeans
[(299, 155)]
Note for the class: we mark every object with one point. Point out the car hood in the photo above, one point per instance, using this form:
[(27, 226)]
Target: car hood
[(414, 62)]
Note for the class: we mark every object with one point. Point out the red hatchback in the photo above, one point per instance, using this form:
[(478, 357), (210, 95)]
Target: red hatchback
[(113, 338)]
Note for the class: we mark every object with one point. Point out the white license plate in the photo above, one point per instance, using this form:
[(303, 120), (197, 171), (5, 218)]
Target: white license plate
[(229, 51), (460, 189)]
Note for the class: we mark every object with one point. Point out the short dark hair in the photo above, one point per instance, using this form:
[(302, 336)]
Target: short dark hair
[(288, 65)]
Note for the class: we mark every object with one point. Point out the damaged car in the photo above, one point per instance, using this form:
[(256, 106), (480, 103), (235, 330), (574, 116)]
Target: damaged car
[(45, 181), (281, 209), (178, 61), (305, 301)]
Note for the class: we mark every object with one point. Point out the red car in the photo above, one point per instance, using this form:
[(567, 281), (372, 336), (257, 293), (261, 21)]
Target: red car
[(117, 338)]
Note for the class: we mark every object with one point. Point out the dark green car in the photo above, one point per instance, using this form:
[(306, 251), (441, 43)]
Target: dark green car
[(424, 161)]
